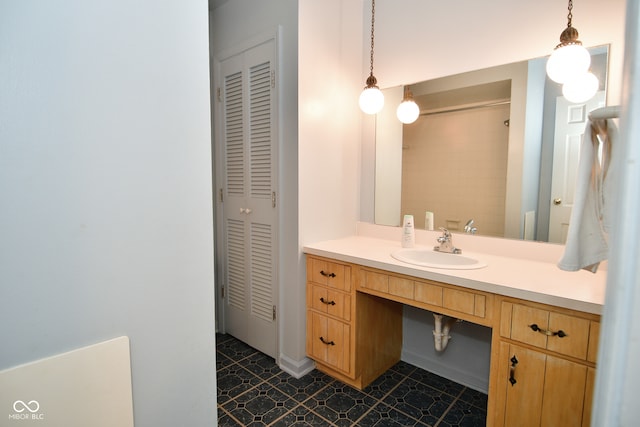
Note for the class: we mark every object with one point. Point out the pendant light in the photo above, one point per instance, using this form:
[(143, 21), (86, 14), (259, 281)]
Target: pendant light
[(408, 111), (570, 58), (581, 88), (371, 99)]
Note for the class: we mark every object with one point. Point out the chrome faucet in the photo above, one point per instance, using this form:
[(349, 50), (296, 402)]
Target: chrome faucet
[(446, 245), (469, 228)]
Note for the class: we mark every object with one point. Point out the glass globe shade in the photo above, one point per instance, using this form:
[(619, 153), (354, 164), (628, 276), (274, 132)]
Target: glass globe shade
[(568, 61), (371, 100), (581, 88), (408, 111)]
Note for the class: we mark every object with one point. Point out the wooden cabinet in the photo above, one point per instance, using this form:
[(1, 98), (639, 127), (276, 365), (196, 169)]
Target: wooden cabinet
[(545, 366), (329, 307), (330, 343), (543, 357), (353, 337), (454, 301)]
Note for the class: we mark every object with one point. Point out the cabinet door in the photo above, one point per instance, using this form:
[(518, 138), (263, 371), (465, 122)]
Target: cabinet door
[(547, 391), (524, 396), (588, 397), (563, 395), (329, 341)]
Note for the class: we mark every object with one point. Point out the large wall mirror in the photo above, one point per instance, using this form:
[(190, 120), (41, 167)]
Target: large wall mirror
[(497, 146)]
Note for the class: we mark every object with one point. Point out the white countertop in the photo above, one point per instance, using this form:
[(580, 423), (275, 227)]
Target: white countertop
[(534, 280)]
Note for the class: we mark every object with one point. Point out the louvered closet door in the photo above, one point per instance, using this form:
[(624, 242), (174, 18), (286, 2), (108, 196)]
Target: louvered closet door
[(250, 212)]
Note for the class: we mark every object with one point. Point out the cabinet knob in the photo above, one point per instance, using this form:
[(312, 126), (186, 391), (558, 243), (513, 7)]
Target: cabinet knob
[(557, 201)]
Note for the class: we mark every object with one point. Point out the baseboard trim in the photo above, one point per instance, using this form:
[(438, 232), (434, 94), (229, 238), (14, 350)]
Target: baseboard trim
[(465, 378), (296, 368)]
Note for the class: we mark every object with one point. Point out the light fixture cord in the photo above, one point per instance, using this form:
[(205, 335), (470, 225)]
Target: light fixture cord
[(570, 15), (373, 13)]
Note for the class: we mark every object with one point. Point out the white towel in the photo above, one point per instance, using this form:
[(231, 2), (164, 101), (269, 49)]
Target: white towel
[(589, 225)]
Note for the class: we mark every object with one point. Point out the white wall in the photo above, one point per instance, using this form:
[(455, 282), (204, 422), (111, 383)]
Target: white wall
[(329, 121), (105, 188), (418, 40), (466, 358), (329, 117)]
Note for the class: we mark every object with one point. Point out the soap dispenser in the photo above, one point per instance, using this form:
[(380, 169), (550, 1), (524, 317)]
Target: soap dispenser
[(408, 232)]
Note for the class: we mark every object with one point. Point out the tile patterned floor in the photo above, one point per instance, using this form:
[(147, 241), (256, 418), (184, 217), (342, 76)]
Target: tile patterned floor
[(253, 391)]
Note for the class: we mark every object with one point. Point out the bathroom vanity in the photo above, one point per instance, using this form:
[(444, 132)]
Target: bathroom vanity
[(545, 323)]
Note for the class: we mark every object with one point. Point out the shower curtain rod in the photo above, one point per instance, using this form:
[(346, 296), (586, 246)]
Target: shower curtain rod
[(463, 108)]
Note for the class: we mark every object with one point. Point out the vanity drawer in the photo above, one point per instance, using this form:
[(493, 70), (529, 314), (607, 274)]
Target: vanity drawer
[(464, 302), (429, 294), (332, 274), (329, 341), (552, 330), (375, 281), (388, 284), (329, 301), (408, 290)]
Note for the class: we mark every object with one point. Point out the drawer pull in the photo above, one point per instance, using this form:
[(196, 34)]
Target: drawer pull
[(327, 342), (324, 301), (327, 274), (547, 332), (512, 371)]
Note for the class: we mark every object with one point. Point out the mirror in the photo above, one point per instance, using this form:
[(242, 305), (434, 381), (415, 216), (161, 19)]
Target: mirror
[(481, 150)]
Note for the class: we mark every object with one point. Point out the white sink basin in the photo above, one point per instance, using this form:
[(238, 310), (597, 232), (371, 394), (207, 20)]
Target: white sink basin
[(426, 257)]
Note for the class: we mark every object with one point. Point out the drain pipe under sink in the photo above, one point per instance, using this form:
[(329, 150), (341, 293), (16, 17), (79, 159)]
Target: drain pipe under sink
[(441, 330)]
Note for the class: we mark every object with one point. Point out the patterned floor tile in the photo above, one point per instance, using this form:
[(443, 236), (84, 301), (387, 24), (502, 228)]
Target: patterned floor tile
[(233, 381), (340, 403), (403, 368), (253, 391), (302, 416), (420, 401), (235, 349), (384, 415), (223, 361), (384, 384), (463, 414), (425, 377), (224, 420), (300, 388), (262, 404), (476, 398), (261, 365)]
